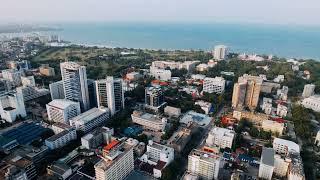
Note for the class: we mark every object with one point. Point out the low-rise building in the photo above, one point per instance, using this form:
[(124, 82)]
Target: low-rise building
[(149, 121), (31, 92), (101, 135), (203, 164), (28, 81), (198, 76), (308, 90), (46, 70), (282, 110), (205, 106), (58, 127), (193, 117), (273, 126), (220, 137), (160, 74), (202, 67), (281, 165), (90, 119), (172, 111), (179, 139), (214, 85), (312, 102), (282, 146), (317, 139), (61, 139), (133, 76), (159, 156)]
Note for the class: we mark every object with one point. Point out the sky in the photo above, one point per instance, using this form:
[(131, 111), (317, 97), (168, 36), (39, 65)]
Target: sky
[(295, 12)]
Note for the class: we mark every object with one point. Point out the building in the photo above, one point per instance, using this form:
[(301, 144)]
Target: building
[(62, 110), (31, 92), (154, 96), (203, 164), (12, 75), (220, 52), (46, 70), (133, 76), (101, 135), (159, 156), (149, 121), (282, 146), (24, 165), (8, 171), (273, 126), (117, 162), (317, 140), (205, 106), (188, 65), (295, 171), (266, 164), (92, 93), (59, 127), (20, 65), (267, 105), (179, 139), (198, 76), (214, 85), (282, 110), (56, 90), (281, 165), (312, 102), (283, 93), (5, 86), (246, 92), (172, 111), (61, 139), (74, 78), (59, 170), (12, 106), (220, 137), (28, 81), (193, 117), (279, 79), (202, 67), (110, 94), (308, 90), (161, 74), (90, 119)]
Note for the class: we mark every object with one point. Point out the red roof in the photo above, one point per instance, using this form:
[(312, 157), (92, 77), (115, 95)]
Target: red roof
[(111, 145), (160, 165)]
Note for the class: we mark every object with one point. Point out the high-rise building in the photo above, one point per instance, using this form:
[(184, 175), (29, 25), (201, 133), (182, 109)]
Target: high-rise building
[(74, 78), (214, 85), (101, 135), (154, 96), (56, 90), (220, 52), (246, 92), (110, 94), (13, 75), (204, 164), (62, 110), (308, 90), (12, 106), (266, 164), (92, 93), (116, 163)]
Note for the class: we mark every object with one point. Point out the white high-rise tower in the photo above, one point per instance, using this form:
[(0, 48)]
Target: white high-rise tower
[(74, 78), (110, 94)]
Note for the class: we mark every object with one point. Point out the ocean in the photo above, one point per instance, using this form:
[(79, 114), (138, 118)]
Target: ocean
[(280, 40)]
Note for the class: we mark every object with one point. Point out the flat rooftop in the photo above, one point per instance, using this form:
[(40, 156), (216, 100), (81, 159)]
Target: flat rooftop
[(198, 118), (292, 146), (89, 115), (267, 156), (62, 103)]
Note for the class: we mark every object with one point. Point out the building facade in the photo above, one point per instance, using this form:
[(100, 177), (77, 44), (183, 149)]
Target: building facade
[(56, 90), (214, 85), (12, 106), (308, 90), (62, 110)]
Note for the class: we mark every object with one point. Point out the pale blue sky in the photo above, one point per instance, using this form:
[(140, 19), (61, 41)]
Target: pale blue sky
[(257, 11)]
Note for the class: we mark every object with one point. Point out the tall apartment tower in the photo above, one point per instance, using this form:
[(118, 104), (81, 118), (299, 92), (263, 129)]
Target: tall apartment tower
[(110, 94), (308, 90), (74, 78), (220, 52), (154, 96), (246, 92)]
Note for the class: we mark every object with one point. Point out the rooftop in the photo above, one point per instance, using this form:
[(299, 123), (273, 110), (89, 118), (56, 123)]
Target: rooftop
[(62, 125), (220, 132), (59, 135), (89, 115), (206, 156), (147, 116), (292, 146), (62, 103), (198, 118), (267, 156)]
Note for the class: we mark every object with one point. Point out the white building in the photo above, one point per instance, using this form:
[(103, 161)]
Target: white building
[(188, 65), (101, 135), (154, 97), (204, 164), (60, 127), (31, 92), (312, 102), (110, 94), (279, 79), (273, 126), (61, 139), (282, 146), (220, 137), (90, 119), (158, 155), (205, 106), (62, 110), (12, 106), (283, 93), (149, 121), (198, 76), (282, 110), (308, 90), (266, 164), (317, 140), (202, 67), (116, 164), (214, 85), (160, 74), (220, 52), (172, 111), (193, 117), (281, 165), (74, 78), (56, 90), (28, 81), (267, 105), (13, 75)]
